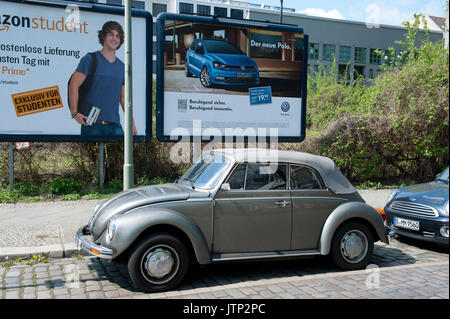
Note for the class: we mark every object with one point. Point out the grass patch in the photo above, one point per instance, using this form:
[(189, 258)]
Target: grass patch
[(68, 189)]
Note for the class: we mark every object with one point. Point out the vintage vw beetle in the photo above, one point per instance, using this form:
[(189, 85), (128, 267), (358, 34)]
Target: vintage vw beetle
[(235, 204)]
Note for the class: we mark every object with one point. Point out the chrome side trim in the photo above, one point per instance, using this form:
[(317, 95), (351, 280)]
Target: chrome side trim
[(263, 255)]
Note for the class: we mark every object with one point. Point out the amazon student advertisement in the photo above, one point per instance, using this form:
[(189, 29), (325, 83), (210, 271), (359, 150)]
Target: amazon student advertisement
[(41, 46)]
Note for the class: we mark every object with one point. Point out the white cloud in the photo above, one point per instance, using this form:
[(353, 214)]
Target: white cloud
[(333, 14)]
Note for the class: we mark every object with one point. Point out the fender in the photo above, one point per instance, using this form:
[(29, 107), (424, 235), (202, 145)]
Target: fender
[(130, 225), (345, 212)]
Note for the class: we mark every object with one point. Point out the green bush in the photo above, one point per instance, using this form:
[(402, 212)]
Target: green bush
[(64, 186), (393, 128)]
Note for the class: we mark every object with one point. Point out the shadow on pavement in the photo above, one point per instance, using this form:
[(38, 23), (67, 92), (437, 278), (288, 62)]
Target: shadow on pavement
[(238, 272), (423, 245)]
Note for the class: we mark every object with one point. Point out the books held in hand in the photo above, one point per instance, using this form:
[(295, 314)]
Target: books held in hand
[(93, 115)]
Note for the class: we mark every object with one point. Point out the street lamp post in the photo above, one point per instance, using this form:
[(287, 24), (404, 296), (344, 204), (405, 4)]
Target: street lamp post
[(128, 167), (281, 11)]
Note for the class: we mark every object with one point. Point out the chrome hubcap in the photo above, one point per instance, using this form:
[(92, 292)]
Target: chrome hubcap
[(204, 76), (160, 264), (354, 246)]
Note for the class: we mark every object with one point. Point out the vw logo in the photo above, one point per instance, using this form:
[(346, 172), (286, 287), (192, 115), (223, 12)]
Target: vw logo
[(285, 106), (242, 68)]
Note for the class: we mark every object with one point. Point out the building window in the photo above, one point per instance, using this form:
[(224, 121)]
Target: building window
[(138, 4), (371, 74), (329, 51), (114, 2), (220, 12), (157, 8), (313, 51), (344, 73), (345, 54), (237, 14), (358, 70), (374, 57), (203, 10), (389, 56), (361, 55), (264, 44), (299, 44), (186, 8)]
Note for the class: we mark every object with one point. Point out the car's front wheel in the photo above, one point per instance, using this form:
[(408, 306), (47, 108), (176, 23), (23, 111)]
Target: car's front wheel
[(205, 79), (352, 246), (158, 263)]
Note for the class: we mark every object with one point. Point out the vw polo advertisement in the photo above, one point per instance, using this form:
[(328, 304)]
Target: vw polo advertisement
[(230, 76), (62, 72)]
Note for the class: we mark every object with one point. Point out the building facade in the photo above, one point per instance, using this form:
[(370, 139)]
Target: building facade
[(353, 46)]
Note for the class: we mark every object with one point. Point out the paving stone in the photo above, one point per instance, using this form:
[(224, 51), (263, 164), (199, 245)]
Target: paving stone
[(96, 295)]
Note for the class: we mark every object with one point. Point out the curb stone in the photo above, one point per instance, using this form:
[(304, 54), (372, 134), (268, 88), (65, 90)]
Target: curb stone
[(53, 251)]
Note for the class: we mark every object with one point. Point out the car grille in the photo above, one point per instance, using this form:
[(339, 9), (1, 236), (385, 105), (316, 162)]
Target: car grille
[(239, 68), (239, 80), (413, 209)]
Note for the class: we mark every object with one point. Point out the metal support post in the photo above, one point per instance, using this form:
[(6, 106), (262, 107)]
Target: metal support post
[(11, 166), (101, 162), (128, 167)]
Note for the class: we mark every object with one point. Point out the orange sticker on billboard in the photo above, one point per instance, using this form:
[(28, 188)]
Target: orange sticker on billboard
[(36, 101)]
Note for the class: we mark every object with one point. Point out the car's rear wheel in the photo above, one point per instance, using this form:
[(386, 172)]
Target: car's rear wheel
[(205, 79), (352, 246), (158, 263), (186, 70)]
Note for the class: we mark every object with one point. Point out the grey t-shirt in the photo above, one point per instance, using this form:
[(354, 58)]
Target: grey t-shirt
[(106, 85)]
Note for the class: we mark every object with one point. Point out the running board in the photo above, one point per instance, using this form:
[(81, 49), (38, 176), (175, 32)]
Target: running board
[(263, 255)]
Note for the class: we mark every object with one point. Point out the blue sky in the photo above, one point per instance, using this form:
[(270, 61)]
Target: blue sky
[(392, 12)]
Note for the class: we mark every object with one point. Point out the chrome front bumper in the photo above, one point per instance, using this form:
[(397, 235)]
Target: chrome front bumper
[(83, 244)]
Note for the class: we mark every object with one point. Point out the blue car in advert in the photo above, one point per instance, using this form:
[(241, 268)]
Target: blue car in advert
[(218, 61)]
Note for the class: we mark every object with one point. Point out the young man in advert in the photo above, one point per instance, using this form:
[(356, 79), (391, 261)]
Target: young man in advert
[(106, 85)]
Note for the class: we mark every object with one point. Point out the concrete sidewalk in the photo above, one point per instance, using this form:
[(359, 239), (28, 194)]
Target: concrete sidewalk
[(27, 229)]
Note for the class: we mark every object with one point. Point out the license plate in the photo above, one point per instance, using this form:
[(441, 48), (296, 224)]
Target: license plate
[(244, 75), (406, 223)]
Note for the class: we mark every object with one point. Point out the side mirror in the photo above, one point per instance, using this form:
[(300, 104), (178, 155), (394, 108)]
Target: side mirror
[(225, 187)]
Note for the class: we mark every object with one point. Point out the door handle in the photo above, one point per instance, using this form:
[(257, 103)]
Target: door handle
[(282, 203)]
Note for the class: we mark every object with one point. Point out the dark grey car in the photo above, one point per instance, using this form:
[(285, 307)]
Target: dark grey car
[(420, 211), (235, 205)]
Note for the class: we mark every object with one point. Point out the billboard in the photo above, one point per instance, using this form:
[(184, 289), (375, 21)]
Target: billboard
[(221, 77), (62, 72)]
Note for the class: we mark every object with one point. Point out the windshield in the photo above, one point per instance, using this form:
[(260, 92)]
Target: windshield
[(206, 172), (443, 176), (221, 46)]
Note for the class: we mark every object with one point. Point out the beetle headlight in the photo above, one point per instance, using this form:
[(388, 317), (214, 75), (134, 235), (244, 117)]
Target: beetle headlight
[(392, 196), (111, 229), (446, 208)]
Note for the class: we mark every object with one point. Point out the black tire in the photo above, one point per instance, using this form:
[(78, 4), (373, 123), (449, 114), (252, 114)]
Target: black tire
[(186, 70), (352, 246), (205, 78), (149, 253)]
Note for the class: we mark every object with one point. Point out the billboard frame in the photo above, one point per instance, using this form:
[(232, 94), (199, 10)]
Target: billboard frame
[(107, 9), (229, 22)]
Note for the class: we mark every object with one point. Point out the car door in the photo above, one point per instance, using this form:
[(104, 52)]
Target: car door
[(255, 214), (197, 57), (191, 57), (312, 203)]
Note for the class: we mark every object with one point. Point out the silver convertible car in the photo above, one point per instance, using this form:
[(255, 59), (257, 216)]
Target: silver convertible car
[(234, 205)]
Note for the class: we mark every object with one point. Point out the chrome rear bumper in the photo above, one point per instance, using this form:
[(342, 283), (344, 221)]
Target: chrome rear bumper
[(82, 243)]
